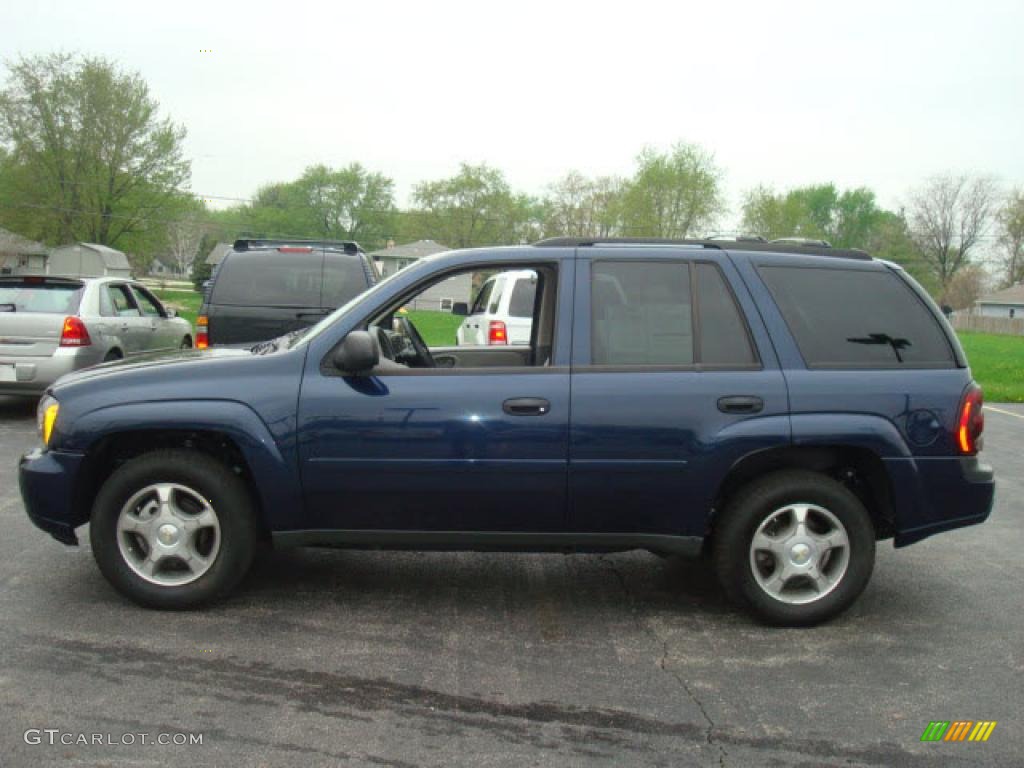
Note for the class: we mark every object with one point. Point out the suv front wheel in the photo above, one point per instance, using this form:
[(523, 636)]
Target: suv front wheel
[(795, 547), (173, 529)]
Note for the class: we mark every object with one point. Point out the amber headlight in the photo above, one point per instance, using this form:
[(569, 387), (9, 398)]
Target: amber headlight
[(46, 417)]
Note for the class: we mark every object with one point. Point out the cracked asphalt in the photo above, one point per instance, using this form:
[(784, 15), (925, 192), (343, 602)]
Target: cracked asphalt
[(327, 657)]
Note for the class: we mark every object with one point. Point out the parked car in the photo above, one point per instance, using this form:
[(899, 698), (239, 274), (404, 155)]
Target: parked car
[(737, 399), (502, 311), (50, 326), (262, 289)]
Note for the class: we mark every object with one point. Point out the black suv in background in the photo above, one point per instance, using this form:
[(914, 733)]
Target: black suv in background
[(263, 289)]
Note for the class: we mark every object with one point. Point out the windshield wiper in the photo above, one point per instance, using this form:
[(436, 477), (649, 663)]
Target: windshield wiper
[(880, 339)]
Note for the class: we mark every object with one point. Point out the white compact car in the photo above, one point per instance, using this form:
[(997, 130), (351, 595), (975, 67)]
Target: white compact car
[(502, 312)]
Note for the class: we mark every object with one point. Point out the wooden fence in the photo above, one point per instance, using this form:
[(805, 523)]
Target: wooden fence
[(1002, 325)]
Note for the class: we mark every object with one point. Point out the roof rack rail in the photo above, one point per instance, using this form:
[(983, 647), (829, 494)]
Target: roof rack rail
[(586, 242), (253, 243), (807, 249)]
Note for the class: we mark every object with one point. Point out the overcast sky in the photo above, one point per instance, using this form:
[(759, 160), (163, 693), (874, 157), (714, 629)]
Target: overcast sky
[(783, 93)]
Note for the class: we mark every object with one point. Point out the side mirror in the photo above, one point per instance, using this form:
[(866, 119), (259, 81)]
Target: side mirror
[(171, 313), (460, 308), (358, 353)]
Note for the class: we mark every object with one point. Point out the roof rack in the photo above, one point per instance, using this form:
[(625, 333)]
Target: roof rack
[(720, 245), (253, 244)]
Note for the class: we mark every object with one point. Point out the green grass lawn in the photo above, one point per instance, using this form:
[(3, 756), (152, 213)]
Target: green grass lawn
[(997, 363), (436, 328), (186, 303)]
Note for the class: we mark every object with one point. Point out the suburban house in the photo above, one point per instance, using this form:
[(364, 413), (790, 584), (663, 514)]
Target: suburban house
[(88, 260), (1008, 302), (21, 256), (165, 266), (441, 296), (218, 252)]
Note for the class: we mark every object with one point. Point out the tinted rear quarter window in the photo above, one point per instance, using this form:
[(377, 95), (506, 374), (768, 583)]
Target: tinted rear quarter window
[(56, 298), (269, 279), (856, 318)]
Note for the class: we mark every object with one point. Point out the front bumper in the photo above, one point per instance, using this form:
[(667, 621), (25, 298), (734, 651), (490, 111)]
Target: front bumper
[(47, 483), (940, 494), (32, 375)]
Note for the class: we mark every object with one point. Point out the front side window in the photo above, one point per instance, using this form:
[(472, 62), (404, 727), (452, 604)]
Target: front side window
[(417, 332), (147, 303), (641, 313), (124, 304), (856, 318)]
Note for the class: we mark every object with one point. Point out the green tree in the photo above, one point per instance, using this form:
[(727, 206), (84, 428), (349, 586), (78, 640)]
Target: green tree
[(472, 208), (847, 220), (349, 203), (948, 217), (577, 206), (88, 156), (1010, 221), (673, 194)]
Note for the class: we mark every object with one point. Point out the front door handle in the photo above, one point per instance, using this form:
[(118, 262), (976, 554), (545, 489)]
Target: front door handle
[(526, 406), (740, 404)]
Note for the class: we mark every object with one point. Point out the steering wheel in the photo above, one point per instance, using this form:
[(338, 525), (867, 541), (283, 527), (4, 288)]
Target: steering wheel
[(423, 356)]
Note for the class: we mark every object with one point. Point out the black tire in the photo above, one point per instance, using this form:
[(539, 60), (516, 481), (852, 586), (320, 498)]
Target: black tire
[(751, 506), (226, 493), (186, 343), (111, 356)]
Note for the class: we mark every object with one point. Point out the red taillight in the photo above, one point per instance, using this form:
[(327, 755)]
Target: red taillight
[(202, 332), (74, 333), (972, 421), (496, 333)]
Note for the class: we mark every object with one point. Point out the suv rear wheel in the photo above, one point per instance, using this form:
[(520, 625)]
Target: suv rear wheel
[(173, 529), (795, 547)]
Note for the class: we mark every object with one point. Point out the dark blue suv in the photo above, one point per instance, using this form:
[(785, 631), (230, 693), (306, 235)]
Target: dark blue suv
[(780, 407)]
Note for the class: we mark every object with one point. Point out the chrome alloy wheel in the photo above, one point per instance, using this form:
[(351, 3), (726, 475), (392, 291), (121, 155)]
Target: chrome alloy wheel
[(799, 553), (168, 534)]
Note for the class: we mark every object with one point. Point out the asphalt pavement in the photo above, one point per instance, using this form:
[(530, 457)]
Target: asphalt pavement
[(328, 657)]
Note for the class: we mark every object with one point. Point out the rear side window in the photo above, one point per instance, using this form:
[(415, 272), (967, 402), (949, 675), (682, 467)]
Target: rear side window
[(55, 298), (641, 314), (724, 339), (521, 302), (856, 318), (344, 279), (269, 279)]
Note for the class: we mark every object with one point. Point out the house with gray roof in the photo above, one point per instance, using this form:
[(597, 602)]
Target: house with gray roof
[(440, 296), (21, 256), (217, 253), (1008, 302), (88, 260)]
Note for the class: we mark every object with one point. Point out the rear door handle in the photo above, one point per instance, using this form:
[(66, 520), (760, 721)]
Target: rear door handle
[(526, 406), (740, 404)]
